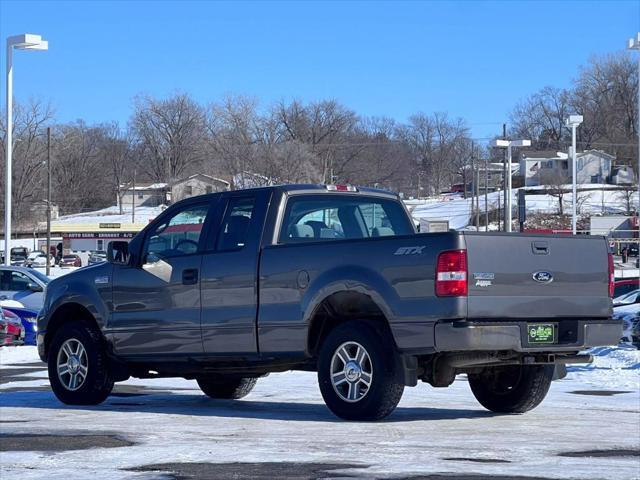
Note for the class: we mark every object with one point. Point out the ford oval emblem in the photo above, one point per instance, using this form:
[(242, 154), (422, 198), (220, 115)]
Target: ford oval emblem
[(543, 277)]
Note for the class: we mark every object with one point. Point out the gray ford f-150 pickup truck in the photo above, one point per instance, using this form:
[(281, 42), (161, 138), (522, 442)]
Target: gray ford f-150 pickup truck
[(225, 288)]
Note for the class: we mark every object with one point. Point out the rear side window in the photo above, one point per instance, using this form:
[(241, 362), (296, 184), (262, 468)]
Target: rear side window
[(335, 217), (235, 225)]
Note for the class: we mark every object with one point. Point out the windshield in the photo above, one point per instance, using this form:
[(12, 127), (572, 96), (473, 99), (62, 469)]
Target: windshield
[(627, 298), (40, 276)]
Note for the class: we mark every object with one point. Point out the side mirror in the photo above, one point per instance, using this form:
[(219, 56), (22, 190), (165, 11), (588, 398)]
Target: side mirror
[(118, 253), (34, 287)]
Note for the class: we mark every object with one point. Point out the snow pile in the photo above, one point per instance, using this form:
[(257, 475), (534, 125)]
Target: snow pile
[(603, 199), (612, 368)]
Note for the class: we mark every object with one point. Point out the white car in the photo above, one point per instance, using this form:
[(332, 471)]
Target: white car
[(41, 261), (630, 316)]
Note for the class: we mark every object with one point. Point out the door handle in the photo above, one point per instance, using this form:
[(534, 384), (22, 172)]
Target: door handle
[(540, 248), (190, 276)]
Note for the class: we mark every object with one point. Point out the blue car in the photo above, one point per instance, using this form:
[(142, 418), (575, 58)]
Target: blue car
[(28, 319)]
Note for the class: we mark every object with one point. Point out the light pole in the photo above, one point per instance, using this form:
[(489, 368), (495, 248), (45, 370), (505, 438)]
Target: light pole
[(634, 44), (508, 144), (26, 41), (572, 122)]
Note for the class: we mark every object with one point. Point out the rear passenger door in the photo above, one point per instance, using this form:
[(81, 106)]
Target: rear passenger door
[(229, 270)]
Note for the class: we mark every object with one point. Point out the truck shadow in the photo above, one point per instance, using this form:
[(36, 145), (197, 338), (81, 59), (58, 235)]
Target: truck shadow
[(201, 406)]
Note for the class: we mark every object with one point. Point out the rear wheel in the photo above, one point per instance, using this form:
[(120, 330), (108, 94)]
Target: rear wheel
[(513, 388), (78, 365), (232, 388), (357, 373)]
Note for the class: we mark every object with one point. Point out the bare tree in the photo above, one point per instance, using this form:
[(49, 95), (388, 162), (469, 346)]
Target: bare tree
[(555, 182), (29, 154), (170, 133)]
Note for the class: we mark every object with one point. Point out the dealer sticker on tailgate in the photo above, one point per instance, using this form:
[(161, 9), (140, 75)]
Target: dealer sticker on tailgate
[(541, 333)]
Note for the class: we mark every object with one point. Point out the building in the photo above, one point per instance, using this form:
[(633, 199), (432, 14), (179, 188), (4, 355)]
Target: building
[(197, 184), (539, 168), (39, 211), (144, 195), (82, 233)]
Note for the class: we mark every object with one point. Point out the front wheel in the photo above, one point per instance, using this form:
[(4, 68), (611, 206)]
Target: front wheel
[(357, 373), (513, 388), (78, 366)]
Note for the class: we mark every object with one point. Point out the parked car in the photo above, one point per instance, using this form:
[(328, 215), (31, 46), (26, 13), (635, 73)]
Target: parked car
[(40, 261), (97, 256), (627, 299), (70, 261), (624, 286), (18, 255), (23, 285), (227, 287), (11, 329), (29, 319), (630, 317)]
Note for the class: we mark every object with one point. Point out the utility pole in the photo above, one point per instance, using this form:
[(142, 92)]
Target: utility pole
[(504, 175), (48, 200), (499, 215), (486, 194), (478, 196), (133, 198), (473, 187)]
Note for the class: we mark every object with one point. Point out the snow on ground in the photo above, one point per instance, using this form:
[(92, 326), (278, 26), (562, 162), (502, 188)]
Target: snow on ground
[(602, 199), (284, 420)]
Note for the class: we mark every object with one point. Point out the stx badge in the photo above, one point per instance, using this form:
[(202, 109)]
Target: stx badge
[(410, 250)]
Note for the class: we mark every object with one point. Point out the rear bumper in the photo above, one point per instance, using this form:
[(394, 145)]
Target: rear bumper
[(489, 336)]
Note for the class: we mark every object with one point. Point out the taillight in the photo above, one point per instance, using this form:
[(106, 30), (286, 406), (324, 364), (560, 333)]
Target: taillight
[(612, 276), (451, 274)]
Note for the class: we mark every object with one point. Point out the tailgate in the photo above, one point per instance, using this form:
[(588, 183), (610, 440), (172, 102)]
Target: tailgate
[(537, 276)]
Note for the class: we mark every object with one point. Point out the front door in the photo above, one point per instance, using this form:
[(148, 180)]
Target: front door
[(156, 305), (229, 275), (18, 286)]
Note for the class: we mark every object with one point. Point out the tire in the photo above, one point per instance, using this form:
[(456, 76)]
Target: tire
[(343, 384), (511, 389), (96, 385), (233, 388)]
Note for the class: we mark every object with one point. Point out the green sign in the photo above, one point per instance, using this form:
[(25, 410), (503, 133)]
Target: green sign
[(541, 333)]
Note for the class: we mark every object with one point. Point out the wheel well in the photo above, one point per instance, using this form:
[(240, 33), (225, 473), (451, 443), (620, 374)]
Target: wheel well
[(63, 314), (339, 308)]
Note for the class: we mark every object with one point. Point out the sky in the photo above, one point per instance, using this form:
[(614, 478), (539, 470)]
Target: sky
[(472, 59)]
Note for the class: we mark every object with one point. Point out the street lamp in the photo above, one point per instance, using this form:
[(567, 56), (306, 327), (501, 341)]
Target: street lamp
[(508, 144), (26, 41), (572, 122), (634, 44)]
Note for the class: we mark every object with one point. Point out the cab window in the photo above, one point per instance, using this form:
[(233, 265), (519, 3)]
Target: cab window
[(336, 217)]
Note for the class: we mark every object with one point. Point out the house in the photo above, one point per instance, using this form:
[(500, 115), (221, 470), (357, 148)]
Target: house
[(143, 194), (197, 184), (538, 168)]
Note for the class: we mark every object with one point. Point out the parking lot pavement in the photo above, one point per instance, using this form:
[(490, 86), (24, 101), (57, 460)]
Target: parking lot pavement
[(166, 428)]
